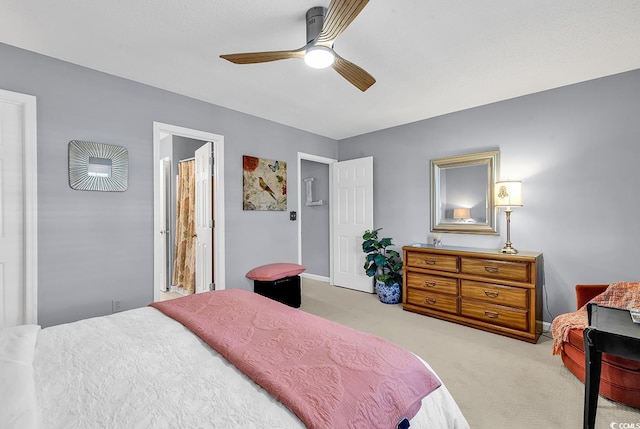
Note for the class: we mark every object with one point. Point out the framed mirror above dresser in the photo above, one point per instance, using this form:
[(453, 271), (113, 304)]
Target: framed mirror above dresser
[(462, 193)]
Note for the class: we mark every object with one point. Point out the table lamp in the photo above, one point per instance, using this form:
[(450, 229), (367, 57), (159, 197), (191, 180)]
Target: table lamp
[(461, 214), (508, 194)]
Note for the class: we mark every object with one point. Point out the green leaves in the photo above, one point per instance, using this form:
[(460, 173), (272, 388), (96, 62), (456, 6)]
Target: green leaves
[(385, 264)]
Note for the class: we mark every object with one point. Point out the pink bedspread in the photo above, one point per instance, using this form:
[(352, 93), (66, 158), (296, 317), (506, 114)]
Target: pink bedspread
[(329, 375)]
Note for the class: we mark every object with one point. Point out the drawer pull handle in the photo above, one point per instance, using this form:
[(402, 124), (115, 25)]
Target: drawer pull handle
[(490, 269), (429, 284), (492, 293), (491, 314), (431, 301), (430, 261)]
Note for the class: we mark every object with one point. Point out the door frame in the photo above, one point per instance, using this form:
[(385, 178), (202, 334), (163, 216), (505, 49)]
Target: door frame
[(329, 162), (30, 198), (165, 210), (161, 130)]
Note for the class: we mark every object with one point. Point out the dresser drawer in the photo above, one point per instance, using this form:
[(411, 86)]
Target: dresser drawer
[(505, 270), (495, 314), (432, 283), (435, 301), (495, 294), (432, 261)]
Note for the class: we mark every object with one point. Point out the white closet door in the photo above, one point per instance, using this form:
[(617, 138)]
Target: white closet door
[(352, 214)]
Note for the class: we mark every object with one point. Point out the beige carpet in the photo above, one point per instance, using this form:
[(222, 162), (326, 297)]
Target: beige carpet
[(497, 381)]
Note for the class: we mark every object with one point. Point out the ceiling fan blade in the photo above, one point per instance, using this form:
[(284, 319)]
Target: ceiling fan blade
[(354, 74), (339, 15), (263, 57)]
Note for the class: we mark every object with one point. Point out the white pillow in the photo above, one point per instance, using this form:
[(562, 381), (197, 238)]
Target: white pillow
[(17, 396)]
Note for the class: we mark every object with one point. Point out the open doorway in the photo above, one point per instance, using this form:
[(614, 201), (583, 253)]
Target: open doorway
[(350, 214), (172, 145), (314, 216), (187, 208)]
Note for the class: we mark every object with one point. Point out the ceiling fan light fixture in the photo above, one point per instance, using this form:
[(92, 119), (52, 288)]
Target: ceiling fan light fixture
[(324, 25), (319, 57)]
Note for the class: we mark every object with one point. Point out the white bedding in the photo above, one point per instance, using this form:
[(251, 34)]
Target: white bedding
[(141, 369), (17, 395)]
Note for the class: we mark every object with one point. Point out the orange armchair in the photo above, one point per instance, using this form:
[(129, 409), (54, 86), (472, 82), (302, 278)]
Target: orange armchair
[(585, 293), (620, 378)]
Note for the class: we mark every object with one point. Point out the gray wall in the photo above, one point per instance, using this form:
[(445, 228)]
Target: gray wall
[(576, 149), (315, 219), (94, 247)]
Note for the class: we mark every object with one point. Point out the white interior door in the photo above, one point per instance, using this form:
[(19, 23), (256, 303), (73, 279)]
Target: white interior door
[(165, 216), (352, 210), (17, 138), (204, 219)]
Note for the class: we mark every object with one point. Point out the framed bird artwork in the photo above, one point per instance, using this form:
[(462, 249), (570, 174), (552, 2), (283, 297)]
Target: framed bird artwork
[(264, 184)]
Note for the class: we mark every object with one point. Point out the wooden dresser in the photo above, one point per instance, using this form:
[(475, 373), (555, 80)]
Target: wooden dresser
[(481, 288)]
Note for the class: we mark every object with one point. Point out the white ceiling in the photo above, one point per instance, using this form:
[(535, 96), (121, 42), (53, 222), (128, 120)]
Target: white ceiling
[(428, 57)]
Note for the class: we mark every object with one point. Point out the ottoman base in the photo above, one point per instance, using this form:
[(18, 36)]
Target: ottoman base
[(285, 290)]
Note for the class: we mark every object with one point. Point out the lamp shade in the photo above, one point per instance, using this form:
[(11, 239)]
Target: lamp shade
[(508, 194), (461, 213)]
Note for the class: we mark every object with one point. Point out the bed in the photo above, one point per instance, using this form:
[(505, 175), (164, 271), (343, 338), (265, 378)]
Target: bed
[(143, 369)]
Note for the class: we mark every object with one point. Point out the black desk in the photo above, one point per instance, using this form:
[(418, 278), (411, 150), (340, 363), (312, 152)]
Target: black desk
[(610, 331)]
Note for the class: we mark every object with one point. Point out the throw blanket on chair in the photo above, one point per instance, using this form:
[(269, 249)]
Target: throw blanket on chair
[(327, 374), (623, 295)]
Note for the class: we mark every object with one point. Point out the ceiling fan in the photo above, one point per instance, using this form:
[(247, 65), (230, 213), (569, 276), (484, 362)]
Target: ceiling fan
[(324, 25)]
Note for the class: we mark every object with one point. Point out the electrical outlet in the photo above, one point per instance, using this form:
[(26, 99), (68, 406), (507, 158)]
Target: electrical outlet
[(116, 306)]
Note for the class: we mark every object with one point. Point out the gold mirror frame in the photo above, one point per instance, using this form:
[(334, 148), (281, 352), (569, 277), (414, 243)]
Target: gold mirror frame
[(464, 182)]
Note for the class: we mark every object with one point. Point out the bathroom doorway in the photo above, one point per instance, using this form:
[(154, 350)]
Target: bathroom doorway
[(173, 145)]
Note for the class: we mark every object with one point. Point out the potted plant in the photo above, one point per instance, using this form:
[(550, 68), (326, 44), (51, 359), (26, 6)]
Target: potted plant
[(384, 264)]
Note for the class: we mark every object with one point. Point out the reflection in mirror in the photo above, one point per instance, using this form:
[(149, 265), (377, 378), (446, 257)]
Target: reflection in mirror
[(461, 193), (462, 189), (99, 167)]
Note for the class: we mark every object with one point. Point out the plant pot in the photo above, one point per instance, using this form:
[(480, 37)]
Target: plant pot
[(388, 294)]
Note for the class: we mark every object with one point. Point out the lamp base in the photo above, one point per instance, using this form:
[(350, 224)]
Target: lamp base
[(508, 249)]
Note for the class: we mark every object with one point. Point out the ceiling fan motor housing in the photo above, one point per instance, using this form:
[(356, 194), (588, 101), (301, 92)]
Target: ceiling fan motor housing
[(315, 19)]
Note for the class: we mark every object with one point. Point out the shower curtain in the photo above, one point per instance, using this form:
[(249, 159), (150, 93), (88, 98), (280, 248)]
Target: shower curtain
[(184, 273)]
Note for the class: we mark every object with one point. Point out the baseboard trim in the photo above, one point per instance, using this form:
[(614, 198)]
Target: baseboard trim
[(315, 277)]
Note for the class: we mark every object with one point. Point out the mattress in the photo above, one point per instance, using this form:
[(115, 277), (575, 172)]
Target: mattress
[(142, 369)]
